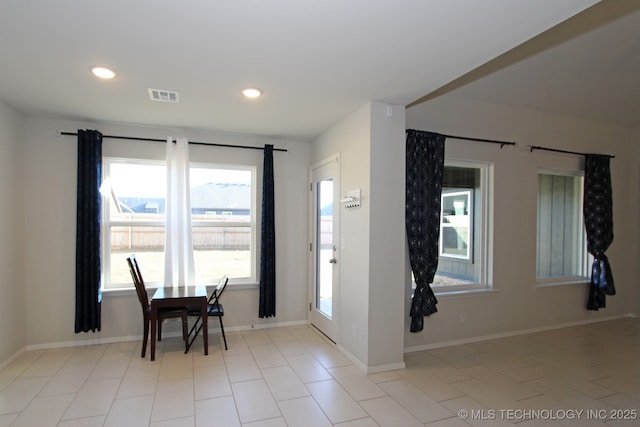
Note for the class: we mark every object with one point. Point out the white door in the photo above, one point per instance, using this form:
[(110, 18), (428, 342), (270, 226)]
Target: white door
[(325, 208)]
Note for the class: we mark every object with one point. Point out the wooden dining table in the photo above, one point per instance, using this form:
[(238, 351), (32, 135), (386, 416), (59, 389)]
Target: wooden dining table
[(177, 297)]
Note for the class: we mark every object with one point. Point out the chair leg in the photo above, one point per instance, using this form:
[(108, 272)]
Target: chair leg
[(195, 330), (223, 336), (145, 336), (185, 332)]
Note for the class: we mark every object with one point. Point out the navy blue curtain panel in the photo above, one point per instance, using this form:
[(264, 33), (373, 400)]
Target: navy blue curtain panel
[(267, 307), (88, 290), (598, 222), (424, 171)]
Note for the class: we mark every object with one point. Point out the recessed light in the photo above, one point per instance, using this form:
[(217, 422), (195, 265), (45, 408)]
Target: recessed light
[(251, 92), (103, 73)]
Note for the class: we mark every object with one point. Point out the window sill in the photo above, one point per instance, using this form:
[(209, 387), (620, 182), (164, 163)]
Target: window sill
[(151, 289), (118, 292), (568, 282), (465, 292)]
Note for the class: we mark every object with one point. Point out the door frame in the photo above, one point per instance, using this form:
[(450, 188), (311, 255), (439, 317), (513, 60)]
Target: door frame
[(328, 327)]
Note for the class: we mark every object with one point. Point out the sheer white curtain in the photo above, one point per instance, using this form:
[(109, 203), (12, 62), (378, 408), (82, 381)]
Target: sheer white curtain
[(178, 249)]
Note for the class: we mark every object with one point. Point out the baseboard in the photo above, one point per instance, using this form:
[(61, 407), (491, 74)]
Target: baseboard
[(489, 337), (351, 357), (266, 326), (81, 343), (357, 362), (97, 341), (385, 368), (370, 369)]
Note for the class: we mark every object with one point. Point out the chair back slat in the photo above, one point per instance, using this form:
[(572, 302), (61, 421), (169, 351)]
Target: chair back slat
[(136, 275), (217, 292)]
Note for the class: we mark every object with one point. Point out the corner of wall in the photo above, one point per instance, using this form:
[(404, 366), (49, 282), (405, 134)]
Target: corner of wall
[(12, 287)]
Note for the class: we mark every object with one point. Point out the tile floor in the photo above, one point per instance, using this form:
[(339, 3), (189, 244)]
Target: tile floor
[(580, 376)]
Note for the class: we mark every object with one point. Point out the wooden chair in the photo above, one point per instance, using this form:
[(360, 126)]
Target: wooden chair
[(214, 308), (163, 314)]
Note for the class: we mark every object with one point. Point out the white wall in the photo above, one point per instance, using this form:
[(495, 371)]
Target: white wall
[(12, 300), (518, 304), (351, 138), (371, 296), (387, 237), (50, 181), (372, 154)]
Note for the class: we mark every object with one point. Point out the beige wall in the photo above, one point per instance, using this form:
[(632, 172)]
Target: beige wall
[(351, 138), (12, 293), (372, 153), (371, 146), (387, 237), (50, 181), (517, 304), (635, 203)]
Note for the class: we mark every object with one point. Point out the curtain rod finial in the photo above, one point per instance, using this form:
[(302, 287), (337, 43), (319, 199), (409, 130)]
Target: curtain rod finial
[(58, 133)]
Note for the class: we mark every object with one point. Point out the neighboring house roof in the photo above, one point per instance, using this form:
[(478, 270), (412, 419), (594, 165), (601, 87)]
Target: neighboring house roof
[(205, 197), (221, 196)]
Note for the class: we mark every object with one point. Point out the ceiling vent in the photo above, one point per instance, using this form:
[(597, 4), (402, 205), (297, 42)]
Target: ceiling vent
[(163, 95)]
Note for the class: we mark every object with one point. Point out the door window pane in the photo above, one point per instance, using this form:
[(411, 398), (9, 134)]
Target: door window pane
[(324, 237)]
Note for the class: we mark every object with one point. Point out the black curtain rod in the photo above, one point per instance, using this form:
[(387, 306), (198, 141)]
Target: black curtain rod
[(491, 141), (468, 138), (135, 138), (537, 147)]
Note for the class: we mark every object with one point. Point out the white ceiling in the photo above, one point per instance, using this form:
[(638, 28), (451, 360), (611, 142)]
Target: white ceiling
[(587, 67), (315, 60)]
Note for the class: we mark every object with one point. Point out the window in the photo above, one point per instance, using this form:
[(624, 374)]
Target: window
[(222, 218), (223, 225), (561, 242), (455, 224), (464, 238)]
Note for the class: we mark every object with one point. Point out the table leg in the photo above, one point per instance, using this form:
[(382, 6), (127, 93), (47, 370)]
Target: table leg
[(205, 327), (154, 330)]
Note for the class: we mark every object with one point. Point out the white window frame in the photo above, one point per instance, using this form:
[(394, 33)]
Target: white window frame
[(107, 223), (483, 221), (584, 256), (468, 224)]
